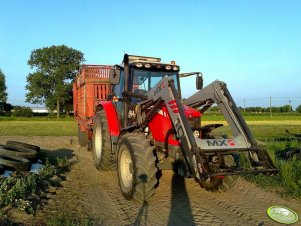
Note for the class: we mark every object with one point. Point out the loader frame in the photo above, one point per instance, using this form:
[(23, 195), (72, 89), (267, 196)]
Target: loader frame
[(195, 150)]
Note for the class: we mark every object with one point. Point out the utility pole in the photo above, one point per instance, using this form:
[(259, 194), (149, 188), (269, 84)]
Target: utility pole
[(289, 104), (271, 107)]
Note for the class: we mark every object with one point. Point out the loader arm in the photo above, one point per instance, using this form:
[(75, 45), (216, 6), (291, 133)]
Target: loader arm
[(165, 92), (197, 151), (217, 92)]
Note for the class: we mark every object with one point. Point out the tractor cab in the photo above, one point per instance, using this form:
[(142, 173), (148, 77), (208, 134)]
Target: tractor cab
[(139, 74), (136, 76)]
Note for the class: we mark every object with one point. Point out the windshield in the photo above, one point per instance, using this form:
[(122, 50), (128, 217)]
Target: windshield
[(145, 80)]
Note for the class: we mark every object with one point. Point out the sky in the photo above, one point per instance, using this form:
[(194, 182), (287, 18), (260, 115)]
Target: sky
[(252, 45)]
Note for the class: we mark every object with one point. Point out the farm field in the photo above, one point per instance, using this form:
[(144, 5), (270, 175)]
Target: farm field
[(261, 126)]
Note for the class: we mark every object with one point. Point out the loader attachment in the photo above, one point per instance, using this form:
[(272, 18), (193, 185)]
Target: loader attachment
[(207, 159), (242, 141)]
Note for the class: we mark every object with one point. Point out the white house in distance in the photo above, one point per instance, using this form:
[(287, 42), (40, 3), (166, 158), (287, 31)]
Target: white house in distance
[(39, 109)]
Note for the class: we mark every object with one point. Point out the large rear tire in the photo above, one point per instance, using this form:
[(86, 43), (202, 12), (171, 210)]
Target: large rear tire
[(136, 167), (82, 137), (101, 143)]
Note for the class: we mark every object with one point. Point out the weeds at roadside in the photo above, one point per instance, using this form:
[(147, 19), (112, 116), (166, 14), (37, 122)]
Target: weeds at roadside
[(27, 190), (70, 219), (289, 176), (20, 189), (62, 163)]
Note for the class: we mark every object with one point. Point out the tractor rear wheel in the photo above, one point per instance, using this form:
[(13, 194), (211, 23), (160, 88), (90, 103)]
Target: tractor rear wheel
[(136, 167), (101, 143), (82, 137)]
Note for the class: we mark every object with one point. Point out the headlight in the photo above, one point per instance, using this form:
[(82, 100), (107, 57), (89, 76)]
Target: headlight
[(196, 133), (139, 64), (168, 67), (147, 65), (175, 68)]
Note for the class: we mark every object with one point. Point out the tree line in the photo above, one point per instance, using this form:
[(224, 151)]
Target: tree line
[(281, 109)]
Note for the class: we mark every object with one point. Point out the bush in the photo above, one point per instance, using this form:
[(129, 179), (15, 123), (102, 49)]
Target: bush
[(18, 189), (20, 111)]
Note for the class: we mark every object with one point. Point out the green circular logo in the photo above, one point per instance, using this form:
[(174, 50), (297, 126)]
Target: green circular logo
[(282, 214)]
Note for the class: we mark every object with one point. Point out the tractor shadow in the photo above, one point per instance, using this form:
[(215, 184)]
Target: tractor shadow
[(141, 218), (180, 212)]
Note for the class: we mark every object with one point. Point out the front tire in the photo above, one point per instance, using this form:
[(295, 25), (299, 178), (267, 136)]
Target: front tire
[(136, 167), (101, 143), (216, 184)]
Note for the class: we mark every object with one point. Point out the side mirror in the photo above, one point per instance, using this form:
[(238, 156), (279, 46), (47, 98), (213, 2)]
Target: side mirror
[(199, 82), (114, 76)]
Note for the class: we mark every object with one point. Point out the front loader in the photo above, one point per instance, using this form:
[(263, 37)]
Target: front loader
[(144, 126)]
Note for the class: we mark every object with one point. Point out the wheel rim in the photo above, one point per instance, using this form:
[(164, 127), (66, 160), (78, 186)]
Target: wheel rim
[(98, 142), (126, 168)]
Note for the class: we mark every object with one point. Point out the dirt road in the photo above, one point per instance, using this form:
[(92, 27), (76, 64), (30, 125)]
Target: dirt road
[(177, 201)]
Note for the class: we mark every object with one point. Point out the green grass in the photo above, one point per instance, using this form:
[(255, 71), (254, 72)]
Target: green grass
[(289, 178), (215, 116), (264, 132), (261, 125), (38, 128), (36, 118)]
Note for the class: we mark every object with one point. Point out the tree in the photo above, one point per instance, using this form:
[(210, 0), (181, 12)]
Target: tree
[(286, 108), (3, 93), (55, 68), (298, 109)]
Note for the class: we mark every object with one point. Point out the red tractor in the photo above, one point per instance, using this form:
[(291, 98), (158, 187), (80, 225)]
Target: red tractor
[(142, 125)]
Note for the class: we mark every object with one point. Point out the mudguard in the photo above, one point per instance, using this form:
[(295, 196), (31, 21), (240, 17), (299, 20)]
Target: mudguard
[(114, 124)]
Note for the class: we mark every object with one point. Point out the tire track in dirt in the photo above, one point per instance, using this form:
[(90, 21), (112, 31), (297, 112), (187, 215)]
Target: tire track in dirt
[(247, 201)]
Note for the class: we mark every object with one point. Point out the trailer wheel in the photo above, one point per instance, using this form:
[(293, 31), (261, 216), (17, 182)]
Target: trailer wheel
[(82, 137), (101, 143), (136, 167)]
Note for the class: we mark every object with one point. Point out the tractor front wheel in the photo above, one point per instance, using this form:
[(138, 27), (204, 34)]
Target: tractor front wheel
[(218, 184), (136, 166)]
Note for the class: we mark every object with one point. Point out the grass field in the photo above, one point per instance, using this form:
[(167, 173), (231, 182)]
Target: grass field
[(261, 126), (38, 128)]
